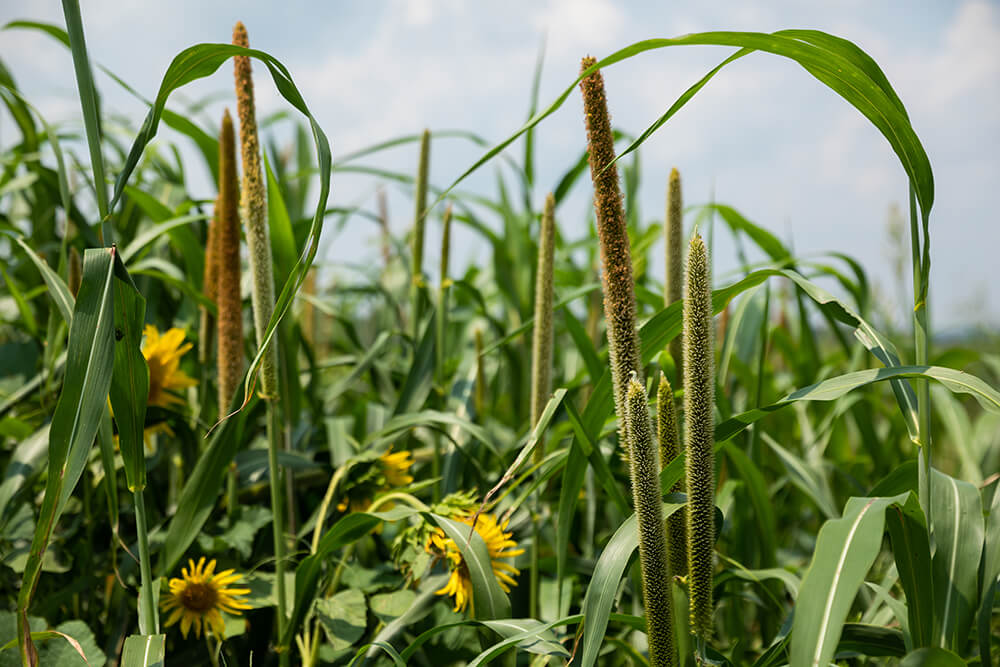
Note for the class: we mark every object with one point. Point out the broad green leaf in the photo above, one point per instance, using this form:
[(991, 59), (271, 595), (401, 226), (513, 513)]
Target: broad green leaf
[(130, 379), (834, 388), (958, 536), (912, 553), (871, 640), (932, 657), (77, 414), (343, 617), (845, 550), (144, 651), (838, 63), (488, 599), (532, 635)]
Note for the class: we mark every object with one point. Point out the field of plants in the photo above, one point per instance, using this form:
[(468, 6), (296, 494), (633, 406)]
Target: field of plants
[(212, 453)]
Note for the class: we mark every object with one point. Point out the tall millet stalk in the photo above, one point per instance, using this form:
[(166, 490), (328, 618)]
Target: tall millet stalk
[(653, 549), (634, 426), (616, 252), (699, 401), (254, 207), (673, 234)]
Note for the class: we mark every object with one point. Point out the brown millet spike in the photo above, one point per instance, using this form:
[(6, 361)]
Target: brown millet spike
[(616, 252), (227, 280), (75, 271), (254, 204), (673, 235)]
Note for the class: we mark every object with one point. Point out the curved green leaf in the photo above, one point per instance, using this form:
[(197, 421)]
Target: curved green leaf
[(78, 412), (845, 551)]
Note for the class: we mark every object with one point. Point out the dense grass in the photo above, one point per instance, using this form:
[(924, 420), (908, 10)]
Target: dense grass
[(406, 470)]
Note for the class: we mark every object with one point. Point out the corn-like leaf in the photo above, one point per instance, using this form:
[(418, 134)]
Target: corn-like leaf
[(488, 598), (958, 536), (130, 380), (845, 550), (144, 651), (932, 657), (77, 414)]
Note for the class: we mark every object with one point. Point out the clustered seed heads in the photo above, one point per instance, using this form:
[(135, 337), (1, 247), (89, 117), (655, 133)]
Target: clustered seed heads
[(254, 204), (699, 400), (616, 252), (666, 431), (673, 232), (226, 231), (653, 549)]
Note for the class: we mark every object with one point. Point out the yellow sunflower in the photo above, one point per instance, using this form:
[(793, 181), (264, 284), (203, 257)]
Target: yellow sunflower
[(163, 356), (499, 545), (394, 468), (201, 596)]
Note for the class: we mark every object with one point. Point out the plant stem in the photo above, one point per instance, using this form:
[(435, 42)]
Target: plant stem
[(149, 623), (921, 343), (277, 510)]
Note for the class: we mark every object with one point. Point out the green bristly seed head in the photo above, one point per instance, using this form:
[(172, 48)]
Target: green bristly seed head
[(445, 244), (653, 550), (666, 431), (254, 204), (616, 253), (226, 231), (673, 236), (699, 401), (480, 394)]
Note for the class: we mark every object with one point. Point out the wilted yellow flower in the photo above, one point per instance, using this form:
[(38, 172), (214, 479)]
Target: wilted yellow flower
[(395, 467), (392, 470), (163, 356), (202, 596), (499, 545)]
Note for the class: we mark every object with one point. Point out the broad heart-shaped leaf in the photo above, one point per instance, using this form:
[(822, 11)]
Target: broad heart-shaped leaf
[(349, 529), (144, 651), (958, 536), (845, 550), (130, 379), (89, 363), (488, 599)]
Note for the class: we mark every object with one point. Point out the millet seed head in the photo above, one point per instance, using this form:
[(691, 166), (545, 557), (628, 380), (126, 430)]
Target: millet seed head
[(616, 253), (227, 278), (699, 401)]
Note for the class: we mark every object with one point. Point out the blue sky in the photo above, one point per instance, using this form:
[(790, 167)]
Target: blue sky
[(765, 136)]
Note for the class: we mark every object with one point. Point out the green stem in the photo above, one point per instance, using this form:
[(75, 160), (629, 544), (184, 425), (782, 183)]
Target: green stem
[(88, 101), (149, 623), (921, 343), (278, 511)]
